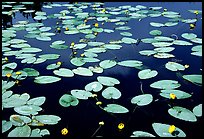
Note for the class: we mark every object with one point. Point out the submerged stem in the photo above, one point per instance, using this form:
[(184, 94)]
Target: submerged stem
[(96, 131), (141, 88)]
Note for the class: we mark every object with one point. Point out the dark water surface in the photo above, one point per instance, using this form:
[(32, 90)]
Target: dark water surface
[(83, 119)]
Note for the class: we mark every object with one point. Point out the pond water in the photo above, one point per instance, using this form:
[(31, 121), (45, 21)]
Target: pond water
[(83, 120)]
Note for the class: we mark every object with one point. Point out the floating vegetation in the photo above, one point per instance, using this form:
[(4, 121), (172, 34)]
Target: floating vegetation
[(91, 57)]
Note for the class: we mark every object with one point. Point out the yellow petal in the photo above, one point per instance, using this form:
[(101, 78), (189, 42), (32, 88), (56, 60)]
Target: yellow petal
[(192, 25), (172, 96), (121, 126), (82, 55), (58, 28), (98, 103), (64, 131), (8, 75), (195, 12), (72, 44), (101, 123), (172, 128), (18, 73), (186, 66), (66, 28), (59, 63)]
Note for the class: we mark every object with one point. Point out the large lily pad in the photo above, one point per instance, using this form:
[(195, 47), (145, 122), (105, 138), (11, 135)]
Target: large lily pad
[(46, 79), (130, 63), (182, 113), (48, 119), (194, 78), (128, 40), (142, 100), (115, 108), (179, 94), (28, 109), (107, 81), (23, 131), (83, 71), (38, 101), (68, 100), (147, 73), (77, 61), (173, 66), (64, 72), (165, 84)]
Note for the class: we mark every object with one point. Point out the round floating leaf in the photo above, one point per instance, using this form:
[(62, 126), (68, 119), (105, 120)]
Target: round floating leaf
[(182, 113), (108, 81), (95, 43), (194, 78), (83, 71), (77, 61), (147, 73), (128, 40), (79, 46), (44, 132), (90, 59), (141, 134), (52, 66), (18, 120), (189, 36), (197, 110), (96, 50), (111, 93), (147, 52), (49, 56), (112, 46), (59, 46), (6, 125), (27, 109), (29, 60), (64, 72), (142, 100), (31, 72), (38, 101), (58, 42), (164, 49), (163, 38), (81, 94), (96, 69), (162, 130), (197, 40), (165, 84), (90, 54), (39, 60), (23, 131), (161, 44), (154, 24), (43, 38), (130, 63), (179, 94), (128, 34), (48, 119), (105, 64), (173, 66), (115, 108), (12, 65), (155, 32), (46, 79), (68, 100), (93, 86), (163, 55), (35, 133), (180, 42)]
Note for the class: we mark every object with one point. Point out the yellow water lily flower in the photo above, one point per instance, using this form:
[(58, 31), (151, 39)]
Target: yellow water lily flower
[(8, 75), (98, 103), (6, 58), (121, 126), (165, 10), (75, 53), (101, 123), (57, 23), (94, 95), (192, 25), (59, 63), (66, 28), (72, 44), (85, 20), (58, 28), (96, 25), (186, 66), (82, 55), (64, 131), (95, 33), (196, 12), (103, 10), (18, 73), (172, 96), (171, 129), (17, 81)]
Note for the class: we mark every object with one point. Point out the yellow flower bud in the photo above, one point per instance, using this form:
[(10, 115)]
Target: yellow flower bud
[(172, 96), (96, 33), (8, 75), (64, 131), (186, 66), (59, 63), (17, 81), (196, 12), (172, 128), (85, 20), (96, 25), (98, 103), (192, 25), (101, 123), (18, 73), (82, 55), (94, 95), (72, 44), (75, 53), (121, 126), (66, 28), (165, 10), (6, 58), (58, 29), (57, 23), (103, 10)]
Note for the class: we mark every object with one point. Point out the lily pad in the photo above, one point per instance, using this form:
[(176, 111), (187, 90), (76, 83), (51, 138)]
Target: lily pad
[(155, 32), (64, 72), (173, 66), (38, 101), (81, 94), (23, 131), (27, 109), (105, 64), (165, 84), (94, 86), (83, 71), (147, 52), (46, 79), (115, 108), (194, 78), (111, 93), (189, 36), (179, 94), (128, 40), (48, 119), (31, 72), (182, 114), (142, 100), (49, 56), (180, 42), (107, 81), (68, 100), (197, 110), (130, 63), (141, 134), (77, 61), (112, 46), (147, 73), (6, 125)]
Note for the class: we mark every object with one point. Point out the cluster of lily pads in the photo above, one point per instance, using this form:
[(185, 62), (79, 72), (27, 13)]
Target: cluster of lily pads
[(74, 21)]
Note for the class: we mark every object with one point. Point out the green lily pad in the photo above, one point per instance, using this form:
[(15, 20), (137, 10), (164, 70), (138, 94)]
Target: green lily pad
[(79, 46), (197, 110), (130, 63), (96, 43), (180, 42), (94, 86), (112, 46), (111, 93), (147, 52), (163, 55), (12, 65), (173, 66), (96, 69), (128, 40), (107, 81), (81, 94), (182, 114), (154, 24), (38, 101), (128, 34), (59, 46), (53, 66), (90, 59), (164, 49), (105, 64), (29, 60), (22, 76), (83, 71), (197, 40), (27, 109), (46, 79), (18, 120), (68, 100), (162, 130), (49, 56), (161, 44), (77, 61), (141, 134), (165, 84), (64, 72), (163, 38), (142, 100), (31, 72), (194, 78), (23, 131), (179, 94), (147, 73), (96, 50), (48, 119), (6, 125), (115, 108), (155, 32), (189, 36)]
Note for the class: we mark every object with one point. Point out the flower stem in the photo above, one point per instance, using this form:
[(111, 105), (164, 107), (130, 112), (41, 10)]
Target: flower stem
[(96, 131)]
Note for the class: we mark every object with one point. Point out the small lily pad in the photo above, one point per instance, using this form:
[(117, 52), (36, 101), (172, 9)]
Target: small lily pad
[(83, 71), (93, 86), (46, 79), (81, 94), (115, 108), (64, 72), (130, 63), (173, 66), (197, 110), (105, 64), (147, 73), (142, 100), (111, 93), (165, 84), (107, 81), (68, 100)]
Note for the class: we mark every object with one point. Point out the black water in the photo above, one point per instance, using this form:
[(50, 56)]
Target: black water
[(83, 119)]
